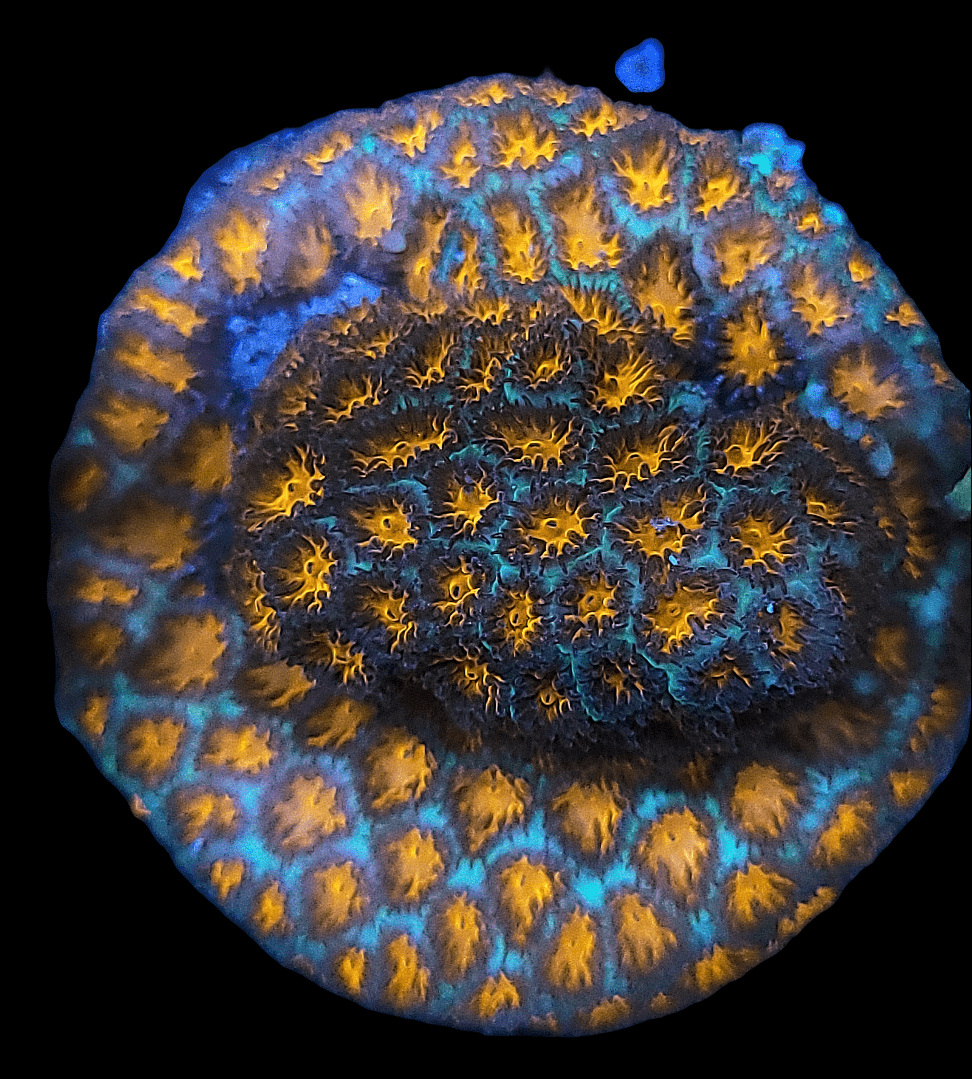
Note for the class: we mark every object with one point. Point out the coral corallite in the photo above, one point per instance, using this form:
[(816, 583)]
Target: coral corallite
[(509, 554)]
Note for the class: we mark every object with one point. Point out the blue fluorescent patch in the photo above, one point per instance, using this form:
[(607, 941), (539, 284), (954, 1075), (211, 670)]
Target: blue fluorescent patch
[(256, 342), (470, 874), (642, 69), (590, 889), (772, 148)]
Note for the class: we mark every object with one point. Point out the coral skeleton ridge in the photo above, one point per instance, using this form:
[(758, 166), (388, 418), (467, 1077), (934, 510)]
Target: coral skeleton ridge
[(508, 552)]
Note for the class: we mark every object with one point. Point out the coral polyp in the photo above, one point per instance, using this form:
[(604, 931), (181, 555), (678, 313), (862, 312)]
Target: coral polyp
[(509, 554)]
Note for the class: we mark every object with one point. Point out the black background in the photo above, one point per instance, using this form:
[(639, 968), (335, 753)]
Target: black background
[(119, 945)]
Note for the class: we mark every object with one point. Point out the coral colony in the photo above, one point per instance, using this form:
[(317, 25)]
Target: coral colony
[(508, 553)]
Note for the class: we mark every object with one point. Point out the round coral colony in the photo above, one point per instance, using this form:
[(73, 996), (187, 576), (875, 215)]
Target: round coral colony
[(511, 553)]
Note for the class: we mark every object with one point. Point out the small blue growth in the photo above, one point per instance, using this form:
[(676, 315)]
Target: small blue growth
[(642, 69), (768, 146)]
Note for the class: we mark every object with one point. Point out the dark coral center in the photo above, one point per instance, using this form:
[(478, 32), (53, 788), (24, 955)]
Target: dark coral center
[(550, 528)]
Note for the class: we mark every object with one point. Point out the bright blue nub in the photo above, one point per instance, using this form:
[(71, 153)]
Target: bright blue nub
[(642, 69)]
